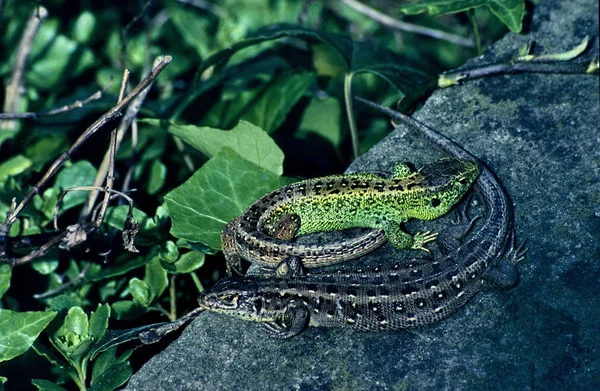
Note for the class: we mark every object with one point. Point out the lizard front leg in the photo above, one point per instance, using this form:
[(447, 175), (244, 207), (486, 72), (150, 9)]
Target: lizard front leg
[(402, 240), (232, 258)]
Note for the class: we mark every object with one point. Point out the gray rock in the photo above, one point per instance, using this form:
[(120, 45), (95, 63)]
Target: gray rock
[(540, 134)]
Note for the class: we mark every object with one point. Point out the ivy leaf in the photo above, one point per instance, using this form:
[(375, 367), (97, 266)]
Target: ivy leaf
[(219, 191), (18, 331), (510, 12), (247, 140), (5, 274)]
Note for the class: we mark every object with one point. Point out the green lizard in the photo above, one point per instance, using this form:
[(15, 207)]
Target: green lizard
[(387, 297), (263, 232)]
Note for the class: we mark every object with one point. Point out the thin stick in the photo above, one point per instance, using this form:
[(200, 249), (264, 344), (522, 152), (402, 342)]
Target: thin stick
[(89, 188), (43, 250), (350, 114), (112, 149), (129, 116), (12, 100), (476, 37), (404, 26), (63, 287), (456, 77), (63, 109), (100, 122)]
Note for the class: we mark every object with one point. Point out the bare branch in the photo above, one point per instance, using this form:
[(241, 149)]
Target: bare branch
[(15, 85), (63, 109), (405, 26), (63, 287), (99, 123)]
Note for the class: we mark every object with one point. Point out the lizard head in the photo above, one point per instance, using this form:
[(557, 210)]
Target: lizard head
[(238, 297), (447, 181)]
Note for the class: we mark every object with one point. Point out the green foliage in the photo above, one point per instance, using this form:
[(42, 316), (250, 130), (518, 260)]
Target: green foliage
[(219, 191), (252, 84), (510, 12), (247, 140), (19, 330)]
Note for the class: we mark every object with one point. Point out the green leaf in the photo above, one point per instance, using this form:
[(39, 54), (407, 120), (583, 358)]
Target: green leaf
[(57, 57), (510, 12), (189, 262), (193, 29), (219, 191), (106, 368), (113, 377), (72, 338), (140, 291), (169, 252), (156, 277), (2, 381), (246, 139), (18, 331), (5, 275), (64, 302), (323, 117), (14, 166), (274, 103), (99, 322), (84, 27), (81, 173), (158, 174), (127, 310), (45, 385), (45, 267)]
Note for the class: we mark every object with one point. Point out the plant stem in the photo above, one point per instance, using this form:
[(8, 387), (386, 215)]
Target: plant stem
[(350, 113), (476, 37)]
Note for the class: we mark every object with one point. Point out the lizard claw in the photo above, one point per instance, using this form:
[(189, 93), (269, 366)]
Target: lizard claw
[(420, 239)]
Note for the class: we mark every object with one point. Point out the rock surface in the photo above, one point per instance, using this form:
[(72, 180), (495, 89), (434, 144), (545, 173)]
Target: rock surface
[(540, 134)]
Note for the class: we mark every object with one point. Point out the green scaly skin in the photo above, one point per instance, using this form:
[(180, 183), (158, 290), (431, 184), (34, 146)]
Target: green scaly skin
[(263, 232)]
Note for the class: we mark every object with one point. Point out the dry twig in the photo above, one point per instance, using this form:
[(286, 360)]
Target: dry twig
[(405, 26), (15, 85)]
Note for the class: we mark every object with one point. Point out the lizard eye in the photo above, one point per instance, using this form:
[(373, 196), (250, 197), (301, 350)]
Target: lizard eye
[(435, 202), (229, 300), (463, 181)]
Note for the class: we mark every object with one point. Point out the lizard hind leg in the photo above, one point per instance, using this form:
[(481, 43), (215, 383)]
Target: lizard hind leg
[(286, 227), (505, 275), (451, 237), (294, 321)]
